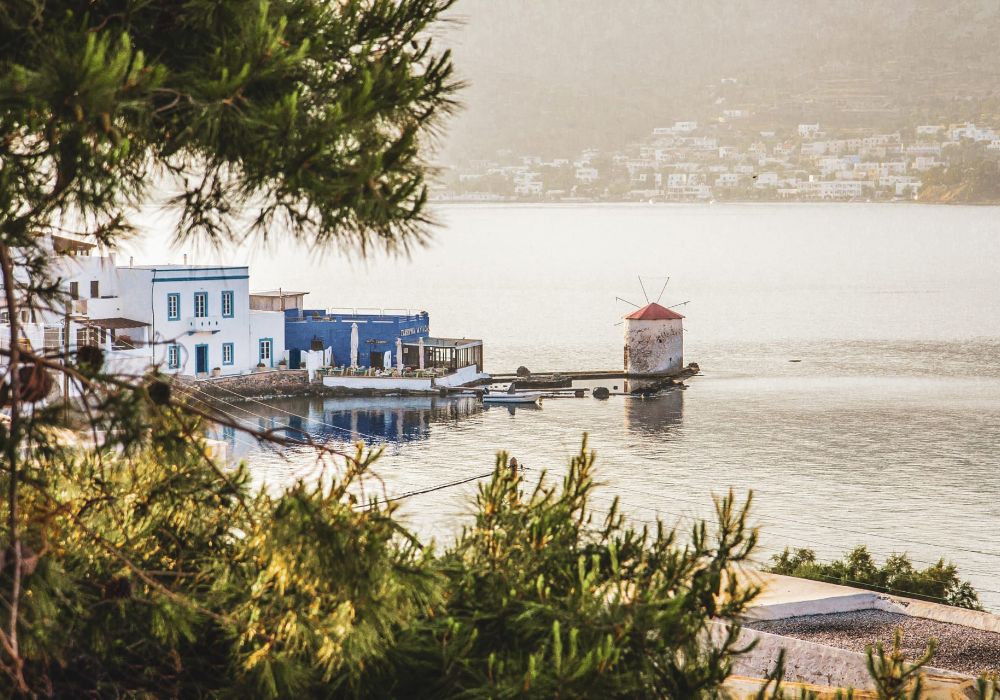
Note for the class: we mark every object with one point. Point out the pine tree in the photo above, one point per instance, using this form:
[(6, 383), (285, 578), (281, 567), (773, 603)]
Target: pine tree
[(244, 118)]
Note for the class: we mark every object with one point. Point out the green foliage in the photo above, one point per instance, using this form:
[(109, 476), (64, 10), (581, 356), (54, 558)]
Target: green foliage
[(151, 575), (251, 114), (894, 677), (543, 602), (138, 567), (988, 687), (969, 177), (938, 582)]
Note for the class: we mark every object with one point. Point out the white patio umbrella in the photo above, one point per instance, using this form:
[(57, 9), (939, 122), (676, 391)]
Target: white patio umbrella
[(387, 360), (354, 345), (420, 346), (399, 354)]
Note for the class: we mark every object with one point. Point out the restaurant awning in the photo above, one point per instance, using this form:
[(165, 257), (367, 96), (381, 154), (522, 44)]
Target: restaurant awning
[(115, 323)]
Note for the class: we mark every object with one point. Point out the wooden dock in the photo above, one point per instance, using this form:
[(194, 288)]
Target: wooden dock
[(574, 375), (683, 373), (651, 383)]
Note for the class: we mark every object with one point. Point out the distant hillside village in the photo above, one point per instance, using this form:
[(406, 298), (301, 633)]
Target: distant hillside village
[(721, 160)]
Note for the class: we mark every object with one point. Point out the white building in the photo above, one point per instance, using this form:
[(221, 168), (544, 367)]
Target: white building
[(530, 188), (185, 319), (841, 189), (586, 175), (654, 341), (87, 314), (199, 317), (808, 131)]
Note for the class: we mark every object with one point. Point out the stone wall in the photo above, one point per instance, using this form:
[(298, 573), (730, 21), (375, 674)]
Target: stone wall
[(289, 382)]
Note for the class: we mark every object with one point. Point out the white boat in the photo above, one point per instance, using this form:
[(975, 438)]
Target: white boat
[(522, 398)]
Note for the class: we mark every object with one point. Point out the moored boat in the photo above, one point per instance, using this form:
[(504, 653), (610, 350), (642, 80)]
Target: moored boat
[(521, 398)]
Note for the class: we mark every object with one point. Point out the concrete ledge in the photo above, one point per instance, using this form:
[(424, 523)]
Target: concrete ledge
[(817, 606), (380, 383), (786, 596), (975, 619)]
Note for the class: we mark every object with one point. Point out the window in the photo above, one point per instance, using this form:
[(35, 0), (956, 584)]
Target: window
[(88, 335), (265, 351), (173, 356), (173, 307), (74, 290), (53, 338), (200, 304), (227, 304), (95, 289), (227, 353)]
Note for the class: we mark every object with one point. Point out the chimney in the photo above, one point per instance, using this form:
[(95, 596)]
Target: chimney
[(130, 260), (185, 258)]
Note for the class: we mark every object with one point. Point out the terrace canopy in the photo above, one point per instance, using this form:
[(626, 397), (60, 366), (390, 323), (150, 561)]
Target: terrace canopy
[(447, 353)]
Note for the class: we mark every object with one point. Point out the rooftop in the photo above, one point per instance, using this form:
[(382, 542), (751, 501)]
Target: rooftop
[(66, 244), (277, 293), (117, 322), (653, 312), (173, 267), (445, 342)]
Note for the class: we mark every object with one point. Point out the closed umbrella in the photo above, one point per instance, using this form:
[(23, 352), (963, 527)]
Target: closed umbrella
[(387, 359), (420, 346), (399, 354), (354, 345)]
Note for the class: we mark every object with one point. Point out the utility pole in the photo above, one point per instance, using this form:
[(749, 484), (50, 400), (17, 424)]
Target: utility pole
[(65, 361)]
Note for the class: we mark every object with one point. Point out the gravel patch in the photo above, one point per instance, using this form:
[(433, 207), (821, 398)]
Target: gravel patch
[(961, 649)]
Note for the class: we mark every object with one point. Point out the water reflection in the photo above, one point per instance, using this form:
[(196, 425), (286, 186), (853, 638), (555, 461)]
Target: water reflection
[(512, 409), (393, 420), (654, 415)]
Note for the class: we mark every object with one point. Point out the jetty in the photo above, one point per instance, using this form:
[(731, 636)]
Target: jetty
[(636, 383)]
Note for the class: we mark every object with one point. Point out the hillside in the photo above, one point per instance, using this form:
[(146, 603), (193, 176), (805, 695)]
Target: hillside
[(555, 76)]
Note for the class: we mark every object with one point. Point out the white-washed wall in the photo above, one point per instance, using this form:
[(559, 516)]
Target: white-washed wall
[(654, 347)]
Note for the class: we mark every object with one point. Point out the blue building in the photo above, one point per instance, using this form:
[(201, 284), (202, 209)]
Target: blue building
[(377, 334), (318, 329)]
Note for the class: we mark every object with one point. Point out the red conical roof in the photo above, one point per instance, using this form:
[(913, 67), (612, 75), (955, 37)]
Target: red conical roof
[(653, 312)]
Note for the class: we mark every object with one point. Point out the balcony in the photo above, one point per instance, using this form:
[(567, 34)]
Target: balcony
[(204, 324)]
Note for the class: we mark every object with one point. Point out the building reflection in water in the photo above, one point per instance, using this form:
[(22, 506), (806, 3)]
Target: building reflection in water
[(655, 415), (394, 420)]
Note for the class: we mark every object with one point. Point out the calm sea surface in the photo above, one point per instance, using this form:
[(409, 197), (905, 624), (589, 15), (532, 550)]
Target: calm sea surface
[(886, 432)]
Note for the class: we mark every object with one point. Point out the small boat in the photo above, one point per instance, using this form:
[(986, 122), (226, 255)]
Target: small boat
[(522, 398)]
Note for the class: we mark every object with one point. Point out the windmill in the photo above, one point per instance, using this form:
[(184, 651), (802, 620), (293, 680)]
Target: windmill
[(653, 336)]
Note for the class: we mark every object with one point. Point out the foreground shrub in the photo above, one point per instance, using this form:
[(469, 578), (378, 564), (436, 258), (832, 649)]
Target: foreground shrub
[(154, 574), (938, 583)]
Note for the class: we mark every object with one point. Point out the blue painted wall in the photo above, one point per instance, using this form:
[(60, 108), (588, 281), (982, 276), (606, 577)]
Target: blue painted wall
[(376, 333)]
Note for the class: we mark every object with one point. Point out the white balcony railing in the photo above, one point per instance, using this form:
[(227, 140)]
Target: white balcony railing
[(204, 324)]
